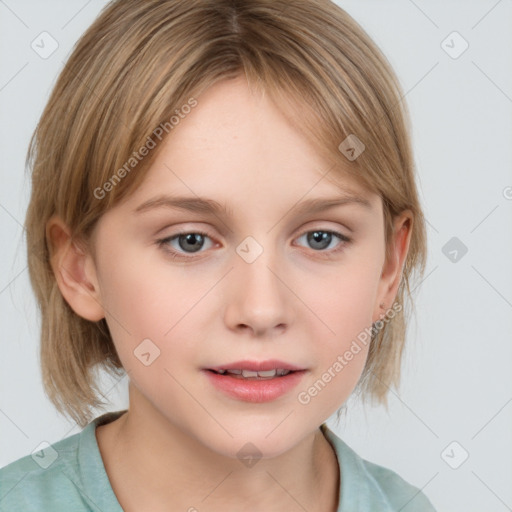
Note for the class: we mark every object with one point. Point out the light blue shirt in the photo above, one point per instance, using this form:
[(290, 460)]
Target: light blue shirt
[(69, 475)]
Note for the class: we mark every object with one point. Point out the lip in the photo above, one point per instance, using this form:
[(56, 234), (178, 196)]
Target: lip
[(253, 390), (257, 366)]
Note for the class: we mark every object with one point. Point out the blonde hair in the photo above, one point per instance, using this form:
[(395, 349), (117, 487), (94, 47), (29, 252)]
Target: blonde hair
[(132, 70)]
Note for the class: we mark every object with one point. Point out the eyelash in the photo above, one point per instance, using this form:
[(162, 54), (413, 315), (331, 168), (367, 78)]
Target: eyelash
[(163, 243)]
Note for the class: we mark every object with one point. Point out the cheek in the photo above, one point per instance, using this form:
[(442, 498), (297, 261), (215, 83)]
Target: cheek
[(341, 349), (144, 301), (345, 302), (342, 338)]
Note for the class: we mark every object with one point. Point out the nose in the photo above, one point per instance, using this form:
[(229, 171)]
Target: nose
[(259, 299)]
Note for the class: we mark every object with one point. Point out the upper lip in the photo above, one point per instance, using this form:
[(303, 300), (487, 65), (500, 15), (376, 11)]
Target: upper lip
[(257, 366)]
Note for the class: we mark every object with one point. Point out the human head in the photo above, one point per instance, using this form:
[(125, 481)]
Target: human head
[(137, 65)]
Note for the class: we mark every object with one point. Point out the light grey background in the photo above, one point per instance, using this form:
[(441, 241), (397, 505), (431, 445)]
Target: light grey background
[(457, 383)]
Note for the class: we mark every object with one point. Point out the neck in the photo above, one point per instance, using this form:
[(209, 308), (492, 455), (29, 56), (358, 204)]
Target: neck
[(152, 462)]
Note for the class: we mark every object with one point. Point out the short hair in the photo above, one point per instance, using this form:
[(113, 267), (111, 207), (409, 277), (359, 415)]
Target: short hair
[(141, 61)]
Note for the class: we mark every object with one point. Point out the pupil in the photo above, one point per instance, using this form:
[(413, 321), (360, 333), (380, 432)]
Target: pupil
[(194, 239), (320, 237)]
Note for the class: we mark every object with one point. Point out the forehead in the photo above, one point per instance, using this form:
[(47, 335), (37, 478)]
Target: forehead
[(237, 138)]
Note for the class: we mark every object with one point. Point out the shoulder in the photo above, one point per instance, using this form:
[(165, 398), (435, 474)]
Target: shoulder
[(43, 480), (401, 494), (67, 475), (369, 486)]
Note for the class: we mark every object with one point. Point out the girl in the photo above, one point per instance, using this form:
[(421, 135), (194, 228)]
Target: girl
[(271, 137)]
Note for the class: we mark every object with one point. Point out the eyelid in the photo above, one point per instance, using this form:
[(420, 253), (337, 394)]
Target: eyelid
[(323, 225), (317, 226)]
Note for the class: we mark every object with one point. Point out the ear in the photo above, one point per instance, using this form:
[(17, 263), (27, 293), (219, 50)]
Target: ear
[(74, 270), (392, 269)]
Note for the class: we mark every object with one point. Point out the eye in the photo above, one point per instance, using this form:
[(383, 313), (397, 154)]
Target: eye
[(187, 241), (320, 239), (193, 241)]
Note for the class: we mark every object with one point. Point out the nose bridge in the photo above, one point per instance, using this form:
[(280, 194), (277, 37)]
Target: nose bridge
[(258, 298)]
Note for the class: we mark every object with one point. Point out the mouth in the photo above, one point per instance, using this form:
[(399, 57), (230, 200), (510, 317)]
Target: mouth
[(269, 369), (255, 381), (254, 375)]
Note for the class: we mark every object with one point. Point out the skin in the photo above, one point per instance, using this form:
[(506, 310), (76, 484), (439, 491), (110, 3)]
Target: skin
[(181, 436)]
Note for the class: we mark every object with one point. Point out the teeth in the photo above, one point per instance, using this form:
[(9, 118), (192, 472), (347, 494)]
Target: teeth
[(267, 374), (249, 373)]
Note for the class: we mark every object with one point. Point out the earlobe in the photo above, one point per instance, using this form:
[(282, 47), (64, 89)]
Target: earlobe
[(74, 271), (392, 269)]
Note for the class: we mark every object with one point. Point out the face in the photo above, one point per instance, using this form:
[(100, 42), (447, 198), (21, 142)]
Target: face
[(266, 280)]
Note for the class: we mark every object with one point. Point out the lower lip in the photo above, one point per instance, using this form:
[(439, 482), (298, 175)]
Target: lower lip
[(257, 391)]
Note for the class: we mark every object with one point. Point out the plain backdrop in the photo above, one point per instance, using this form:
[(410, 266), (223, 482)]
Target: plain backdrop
[(448, 430)]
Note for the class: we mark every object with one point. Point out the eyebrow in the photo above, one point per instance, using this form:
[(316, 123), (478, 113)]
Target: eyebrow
[(210, 206)]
